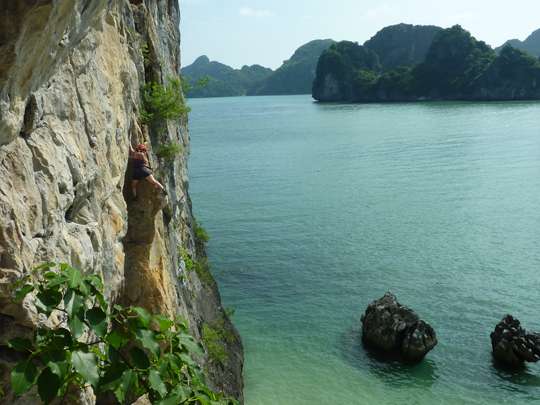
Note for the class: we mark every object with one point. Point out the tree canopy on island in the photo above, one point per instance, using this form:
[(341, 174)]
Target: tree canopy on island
[(456, 66)]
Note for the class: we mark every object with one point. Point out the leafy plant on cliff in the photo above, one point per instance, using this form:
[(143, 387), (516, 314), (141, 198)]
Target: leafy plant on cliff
[(163, 102), (126, 352), (169, 150), (200, 233), (215, 335)]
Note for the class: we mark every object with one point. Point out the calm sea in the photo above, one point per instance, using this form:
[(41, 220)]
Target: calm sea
[(316, 210)]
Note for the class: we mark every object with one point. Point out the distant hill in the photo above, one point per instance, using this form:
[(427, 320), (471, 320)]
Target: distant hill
[(223, 80), (530, 45), (296, 75), (402, 44), (457, 66)]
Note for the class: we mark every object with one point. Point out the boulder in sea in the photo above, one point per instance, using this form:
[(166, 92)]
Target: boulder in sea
[(512, 345), (395, 329)]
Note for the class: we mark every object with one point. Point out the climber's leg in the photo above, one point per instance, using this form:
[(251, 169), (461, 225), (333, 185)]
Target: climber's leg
[(154, 182), (134, 188)]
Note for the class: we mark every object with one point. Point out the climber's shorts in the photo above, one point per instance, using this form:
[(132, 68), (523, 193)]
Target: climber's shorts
[(140, 173)]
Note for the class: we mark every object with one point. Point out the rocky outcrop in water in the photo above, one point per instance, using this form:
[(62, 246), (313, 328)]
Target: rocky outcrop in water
[(512, 345), (393, 328), (71, 74)]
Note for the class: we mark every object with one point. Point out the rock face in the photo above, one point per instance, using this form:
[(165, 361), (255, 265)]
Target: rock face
[(512, 345), (393, 328), (70, 81)]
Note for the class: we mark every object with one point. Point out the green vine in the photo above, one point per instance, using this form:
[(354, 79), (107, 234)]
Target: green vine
[(124, 351)]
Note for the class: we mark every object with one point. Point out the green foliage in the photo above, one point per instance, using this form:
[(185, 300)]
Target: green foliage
[(202, 268), (145, 50), (185, 256), (169, 151), (124, 351), (163, 102), (200, 233), (230, 312), (215, 335)]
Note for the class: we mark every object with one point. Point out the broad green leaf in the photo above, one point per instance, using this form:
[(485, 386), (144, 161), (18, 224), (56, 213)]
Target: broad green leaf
[(186, 358), (86, 365), (56, 280), (45, 266), (143, 316), (189, 343), (61, 369), (177, 396), (23, 376), (74, 306), (48, 385), (127, 381), (116, 339), (20, 344), (156, 383), (58, 361), (203, 400), (147, 339), (73, 276), (97, 319), (112, 375), (139, 358), (94, 282), (50, 275), (60, 338), (23, 292), (163, 322), (50, 298)]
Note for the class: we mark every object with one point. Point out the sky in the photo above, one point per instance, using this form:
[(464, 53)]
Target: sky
[(267, 32)]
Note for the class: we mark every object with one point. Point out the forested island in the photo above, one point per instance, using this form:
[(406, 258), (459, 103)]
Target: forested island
[(425, 63)]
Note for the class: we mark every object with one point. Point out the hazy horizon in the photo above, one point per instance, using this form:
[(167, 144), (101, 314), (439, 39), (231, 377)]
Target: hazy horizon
[(267, 33)]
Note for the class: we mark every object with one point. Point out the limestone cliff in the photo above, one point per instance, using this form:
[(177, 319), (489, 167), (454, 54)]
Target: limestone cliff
[(70, 78)]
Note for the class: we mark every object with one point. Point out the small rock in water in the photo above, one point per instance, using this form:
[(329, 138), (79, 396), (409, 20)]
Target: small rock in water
[(393, 328), (512, 345)]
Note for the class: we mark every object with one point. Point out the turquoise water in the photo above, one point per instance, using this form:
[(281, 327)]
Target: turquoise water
[(316, 210)]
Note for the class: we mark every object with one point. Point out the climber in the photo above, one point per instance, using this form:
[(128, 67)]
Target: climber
[(141, 168)]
